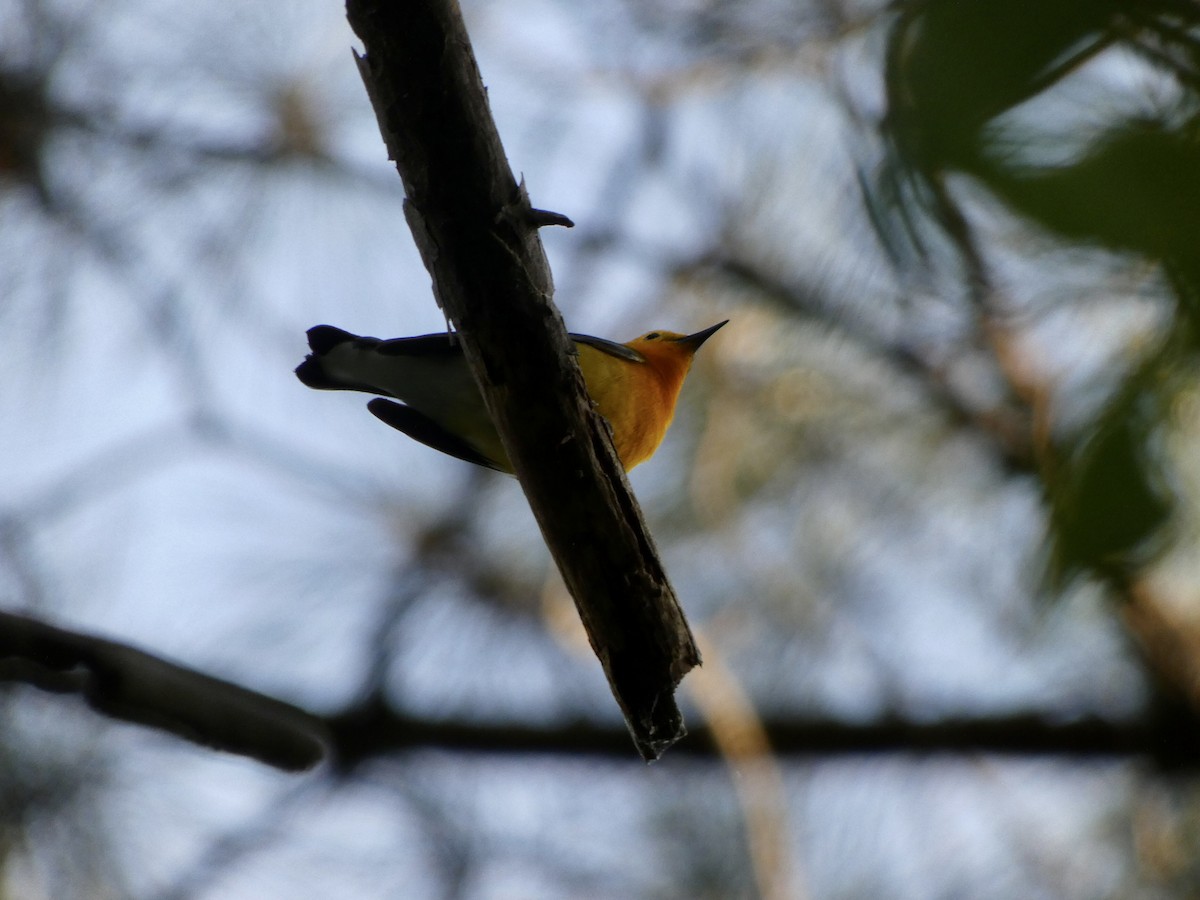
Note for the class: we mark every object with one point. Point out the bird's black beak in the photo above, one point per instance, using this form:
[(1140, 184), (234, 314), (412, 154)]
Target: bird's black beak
[(694, 341)]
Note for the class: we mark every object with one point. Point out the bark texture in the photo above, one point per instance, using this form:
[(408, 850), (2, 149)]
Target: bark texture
[(477, 235)]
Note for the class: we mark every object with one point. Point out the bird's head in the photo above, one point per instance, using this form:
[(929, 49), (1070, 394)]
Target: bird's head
[(670, 351)]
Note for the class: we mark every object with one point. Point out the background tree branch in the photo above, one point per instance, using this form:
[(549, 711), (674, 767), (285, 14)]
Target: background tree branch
[(478, 238), (129, 684), (1169, 738), (125, 683)]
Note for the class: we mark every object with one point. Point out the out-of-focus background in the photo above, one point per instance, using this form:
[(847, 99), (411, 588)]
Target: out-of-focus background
[(930, 499)]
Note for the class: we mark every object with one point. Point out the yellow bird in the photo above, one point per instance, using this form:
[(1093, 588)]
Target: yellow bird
[(634, 385)]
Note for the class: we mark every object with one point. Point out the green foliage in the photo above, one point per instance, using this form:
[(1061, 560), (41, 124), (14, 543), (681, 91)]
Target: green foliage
[(954, 71), (1136, 188), (953, 67), (1108, 487)]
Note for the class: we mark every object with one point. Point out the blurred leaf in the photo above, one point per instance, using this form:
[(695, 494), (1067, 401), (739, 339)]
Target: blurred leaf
[(1108, 491), (952, 70), (953, 67), (25, 123), (1138, 188)]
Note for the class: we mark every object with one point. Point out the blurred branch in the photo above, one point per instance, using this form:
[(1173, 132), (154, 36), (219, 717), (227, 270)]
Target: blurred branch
[(252, 838), (736, 729), (1006, 423), (1170, 738), (478, 237), (125, 683), (1165, 635), (129, 684), (201, 149)]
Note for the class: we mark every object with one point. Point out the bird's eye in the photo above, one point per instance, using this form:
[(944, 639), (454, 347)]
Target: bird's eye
[(653, 336)]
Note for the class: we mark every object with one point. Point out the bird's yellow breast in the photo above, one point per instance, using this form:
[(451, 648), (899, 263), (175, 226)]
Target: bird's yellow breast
[(637, 399)]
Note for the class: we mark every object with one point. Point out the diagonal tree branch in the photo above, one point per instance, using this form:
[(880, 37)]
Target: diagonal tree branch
[(478, 237)]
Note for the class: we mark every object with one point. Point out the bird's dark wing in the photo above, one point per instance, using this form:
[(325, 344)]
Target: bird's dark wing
[(420, 427), (444, 343), (612, 348), (323, 338), (447, 344)]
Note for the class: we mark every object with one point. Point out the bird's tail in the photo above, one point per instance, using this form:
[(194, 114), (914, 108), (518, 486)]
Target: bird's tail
[(323, 340)]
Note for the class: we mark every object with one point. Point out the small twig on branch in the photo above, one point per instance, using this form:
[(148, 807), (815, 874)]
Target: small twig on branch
[(491, 278), (125, 683), (540, 218)]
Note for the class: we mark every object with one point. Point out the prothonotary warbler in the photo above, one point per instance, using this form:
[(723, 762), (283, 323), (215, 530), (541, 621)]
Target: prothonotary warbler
[(634, 385)]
